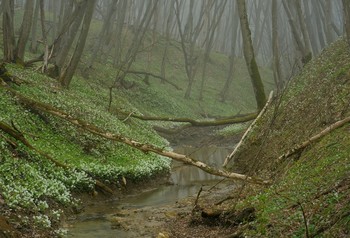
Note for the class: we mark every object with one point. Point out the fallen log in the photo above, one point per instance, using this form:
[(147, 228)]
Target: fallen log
[(314, 138), (128, 141), (240, 118)]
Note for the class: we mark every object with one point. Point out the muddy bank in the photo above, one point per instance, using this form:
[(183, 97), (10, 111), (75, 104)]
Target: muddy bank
[(160, 209), (176, 220)]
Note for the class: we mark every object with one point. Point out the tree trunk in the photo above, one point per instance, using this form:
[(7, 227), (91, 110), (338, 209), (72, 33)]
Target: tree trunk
[(121, 14), (276, 66), (209, 39), (8, 30), (307, 55), (234, 22), (68, 72), (102, 36), (249, 56), (34, 44), (25, 30), (346, 8), (64, 42)]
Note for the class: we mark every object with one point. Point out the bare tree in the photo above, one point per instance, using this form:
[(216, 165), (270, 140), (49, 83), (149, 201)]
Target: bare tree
[(213, 20), (249, 56), (234, 23), (68, 72), (302, 39), (106, 27), (133, 50), (169, 27), (189, 36)]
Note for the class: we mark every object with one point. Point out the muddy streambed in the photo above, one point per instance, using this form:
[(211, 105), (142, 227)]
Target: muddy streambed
[(142, 213)]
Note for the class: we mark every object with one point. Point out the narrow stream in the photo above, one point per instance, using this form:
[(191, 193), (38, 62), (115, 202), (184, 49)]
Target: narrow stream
[(186, 181)]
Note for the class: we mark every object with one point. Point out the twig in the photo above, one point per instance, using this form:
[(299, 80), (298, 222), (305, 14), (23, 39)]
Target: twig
[(127, 118), (196, 201), (305, 220)]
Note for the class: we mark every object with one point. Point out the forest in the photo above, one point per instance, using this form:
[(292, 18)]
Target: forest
[(174, 118)]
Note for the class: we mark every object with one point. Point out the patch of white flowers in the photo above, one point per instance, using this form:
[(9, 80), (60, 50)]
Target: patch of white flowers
[(42, 220)]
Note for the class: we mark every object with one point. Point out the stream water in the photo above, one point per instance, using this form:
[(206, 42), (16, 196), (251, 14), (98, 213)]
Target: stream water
[(185, 181)]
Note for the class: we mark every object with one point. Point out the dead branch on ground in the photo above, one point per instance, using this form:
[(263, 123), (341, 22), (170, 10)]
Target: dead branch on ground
[(229, 157), (128, 141), (15, 133), (217, 122), (314, 138)]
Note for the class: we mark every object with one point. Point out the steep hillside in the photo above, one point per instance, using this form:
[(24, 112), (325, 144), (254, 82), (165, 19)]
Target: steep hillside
[(311, 192)]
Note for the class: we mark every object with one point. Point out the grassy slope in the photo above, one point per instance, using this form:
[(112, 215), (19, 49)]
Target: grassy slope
[(35, 190), (317, 180)]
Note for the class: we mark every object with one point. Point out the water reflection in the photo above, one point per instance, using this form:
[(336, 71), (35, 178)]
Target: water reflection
[(186, 180)]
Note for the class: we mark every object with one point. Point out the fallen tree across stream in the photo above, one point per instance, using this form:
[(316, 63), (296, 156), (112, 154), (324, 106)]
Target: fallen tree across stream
[(36, 105), (240, 118)]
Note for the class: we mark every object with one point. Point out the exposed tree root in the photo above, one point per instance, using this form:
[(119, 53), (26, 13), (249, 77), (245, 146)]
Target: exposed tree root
[(135, 144)]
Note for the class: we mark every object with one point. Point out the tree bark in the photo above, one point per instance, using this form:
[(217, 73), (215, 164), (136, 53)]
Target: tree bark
[(68, 72), (8, 30), (249, 56), (25, 30)]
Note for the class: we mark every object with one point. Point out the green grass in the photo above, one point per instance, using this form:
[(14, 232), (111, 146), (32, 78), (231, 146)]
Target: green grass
[(317, 179), (33, 188)]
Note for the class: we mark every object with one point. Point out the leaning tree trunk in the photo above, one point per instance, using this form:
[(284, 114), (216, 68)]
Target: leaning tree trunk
[(25, 30), (249, 56), (8, 30), (67, 74)]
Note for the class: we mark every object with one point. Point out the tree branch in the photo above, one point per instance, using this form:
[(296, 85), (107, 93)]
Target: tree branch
[(154, 76), (228, 158), (314, 138), (15, 133), (128, 141)]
